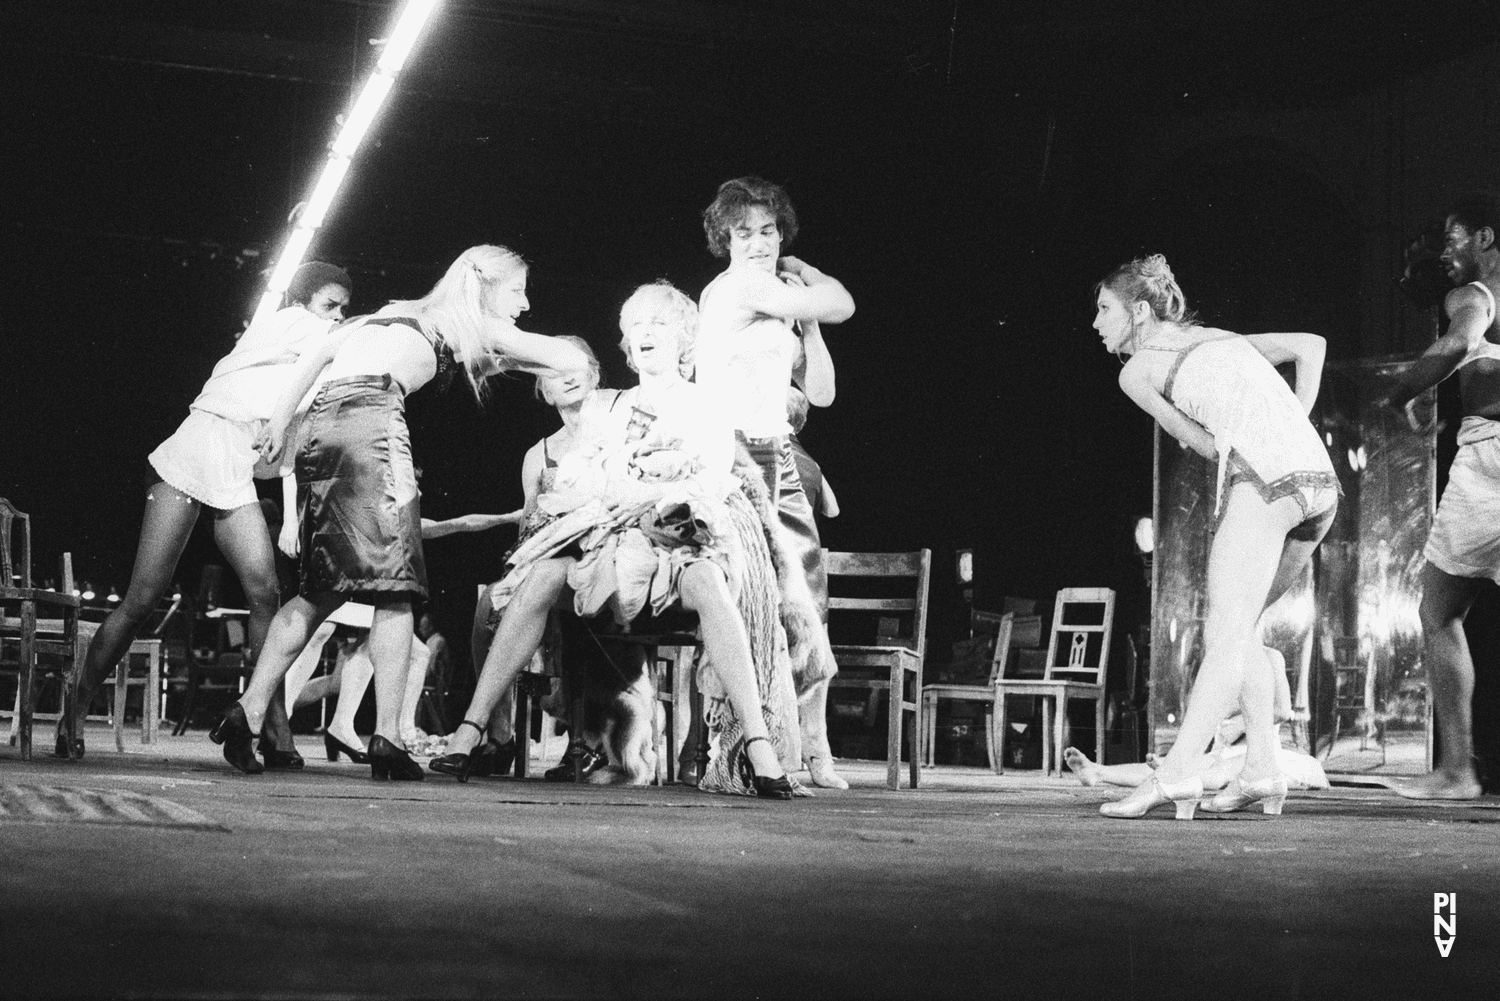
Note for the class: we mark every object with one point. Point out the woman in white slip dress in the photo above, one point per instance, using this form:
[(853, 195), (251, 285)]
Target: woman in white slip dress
[(1219, 394)]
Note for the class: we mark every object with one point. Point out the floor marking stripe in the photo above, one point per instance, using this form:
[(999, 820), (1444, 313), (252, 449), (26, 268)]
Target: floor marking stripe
[(38, 804)]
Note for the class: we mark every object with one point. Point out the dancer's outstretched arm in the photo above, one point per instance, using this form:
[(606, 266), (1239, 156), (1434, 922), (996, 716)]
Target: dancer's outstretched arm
[(468, 523), (1468, 315)]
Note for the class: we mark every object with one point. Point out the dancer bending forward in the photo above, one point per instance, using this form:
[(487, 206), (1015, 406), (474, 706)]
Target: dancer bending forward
[(646, 512), (1218, 393), (357, 489)]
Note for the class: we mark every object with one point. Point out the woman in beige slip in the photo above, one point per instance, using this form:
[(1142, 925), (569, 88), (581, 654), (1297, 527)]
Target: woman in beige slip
[(1219, 394)]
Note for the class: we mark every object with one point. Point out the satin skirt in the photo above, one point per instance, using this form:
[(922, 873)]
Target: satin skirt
[(360, 518), (778, 467)]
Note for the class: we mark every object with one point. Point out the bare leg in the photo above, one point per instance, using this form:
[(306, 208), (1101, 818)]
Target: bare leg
[(1090, 774), (1250, 563), (357, 673), (520, 633), (245, 541), (290, 630), (165, 529), (299, 691), (390, 652), (503, 716), (706, 591), (812, 712), (1446, 599), (411, 696)]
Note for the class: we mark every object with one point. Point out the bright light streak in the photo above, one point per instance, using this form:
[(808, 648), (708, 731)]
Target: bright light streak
[(404, 36), (322, 196), (358, 122), (1145, 536), (291, 257), (398, 46)]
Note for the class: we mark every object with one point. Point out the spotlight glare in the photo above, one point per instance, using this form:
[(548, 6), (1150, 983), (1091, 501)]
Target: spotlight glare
[(965, 566), (291, 258), (358, 122), (398, 46), (113, 597), (322, 196), (1145, 536)]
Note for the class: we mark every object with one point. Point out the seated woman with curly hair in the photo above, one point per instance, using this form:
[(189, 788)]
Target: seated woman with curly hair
[(648, 511)]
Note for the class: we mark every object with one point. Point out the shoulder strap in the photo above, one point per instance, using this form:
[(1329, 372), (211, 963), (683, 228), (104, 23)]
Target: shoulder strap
[(1488, 295)]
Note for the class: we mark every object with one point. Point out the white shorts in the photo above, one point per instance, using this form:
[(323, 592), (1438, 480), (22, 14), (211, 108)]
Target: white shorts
[(1465, 536), (212, 459)]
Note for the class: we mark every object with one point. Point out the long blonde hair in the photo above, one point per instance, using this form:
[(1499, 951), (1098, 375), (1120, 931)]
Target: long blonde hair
[(458, 310)]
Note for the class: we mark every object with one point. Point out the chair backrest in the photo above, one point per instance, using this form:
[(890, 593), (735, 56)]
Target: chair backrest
[(1082, 620), (917, 566), (9, 564), (1003, 638)]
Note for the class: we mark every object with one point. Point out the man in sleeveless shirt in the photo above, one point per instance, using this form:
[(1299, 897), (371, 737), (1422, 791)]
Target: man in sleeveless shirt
[(1463, 547), (751, 318)]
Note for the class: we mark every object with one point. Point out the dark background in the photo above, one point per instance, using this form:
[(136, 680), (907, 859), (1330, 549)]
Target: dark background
[(968, 169)]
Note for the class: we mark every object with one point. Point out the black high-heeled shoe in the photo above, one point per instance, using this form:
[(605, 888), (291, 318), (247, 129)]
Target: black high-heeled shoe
[(333, 746), (777, 788), (233, 731), (504, 756), (387, 762), (60, 749), (460, 766), (276, 759)]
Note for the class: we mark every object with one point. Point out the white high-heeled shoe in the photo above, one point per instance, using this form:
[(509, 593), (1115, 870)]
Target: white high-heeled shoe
[(1153, 793), (1238, 794)]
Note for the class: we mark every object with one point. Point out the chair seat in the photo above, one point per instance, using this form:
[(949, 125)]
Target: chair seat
[(1040, 686), (40, 595), (875, 656), (971, 693)]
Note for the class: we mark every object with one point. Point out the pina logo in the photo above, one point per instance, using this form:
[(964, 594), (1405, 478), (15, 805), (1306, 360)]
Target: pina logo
[(1444, 921)]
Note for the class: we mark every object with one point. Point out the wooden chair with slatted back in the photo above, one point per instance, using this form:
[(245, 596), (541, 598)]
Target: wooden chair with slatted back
[(1077, 658), (27, 601), (933, 694), (892, 664)]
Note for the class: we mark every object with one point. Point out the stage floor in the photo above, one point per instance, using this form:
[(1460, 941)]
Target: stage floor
[(159, 872)]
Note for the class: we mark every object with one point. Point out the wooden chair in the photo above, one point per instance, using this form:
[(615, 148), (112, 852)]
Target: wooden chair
[(900, 658), (932, 694), (27, 600), (1075, 669)]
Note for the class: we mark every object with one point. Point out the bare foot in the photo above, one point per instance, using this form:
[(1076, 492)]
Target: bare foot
[(1079, 764), (1442, 784), (820, 769)]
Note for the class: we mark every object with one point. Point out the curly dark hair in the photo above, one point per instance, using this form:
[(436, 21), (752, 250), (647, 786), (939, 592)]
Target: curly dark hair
[(1474, 210), (734, 199)]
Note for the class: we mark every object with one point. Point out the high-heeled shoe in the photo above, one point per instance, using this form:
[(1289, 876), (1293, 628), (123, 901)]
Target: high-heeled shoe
[(276, 759), (388, 762), (1153, 793), (778, 788), (334, 746), (504, 756), (1238, 794), (60, 749), (460, 766), (233, 731), (588, 759)]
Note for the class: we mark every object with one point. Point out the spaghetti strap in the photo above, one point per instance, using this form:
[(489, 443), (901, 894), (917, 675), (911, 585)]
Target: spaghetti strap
[(1182, 353)]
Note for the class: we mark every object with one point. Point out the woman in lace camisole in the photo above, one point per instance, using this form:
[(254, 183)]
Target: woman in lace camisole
[(1219, 394)]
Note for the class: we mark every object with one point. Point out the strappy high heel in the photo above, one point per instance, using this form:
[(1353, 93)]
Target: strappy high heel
[(387, 761), (1269, 793), (458, 765), (777, 788), (1153, 793), (334, 746)]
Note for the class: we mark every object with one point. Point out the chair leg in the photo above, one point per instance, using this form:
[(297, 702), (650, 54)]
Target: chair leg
[(1099, 727), (914, 740), (1046, 735), (523, 730), (27, 681), (152, 698), (989, 740), (893, 727), (998, 721), (929, 709), (122, 687)]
